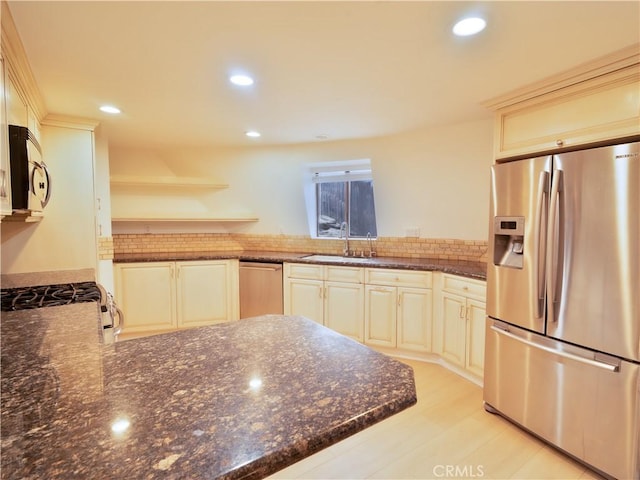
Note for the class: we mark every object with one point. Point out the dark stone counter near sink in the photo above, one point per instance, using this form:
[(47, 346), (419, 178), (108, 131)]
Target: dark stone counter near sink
[(236, 400), (465, 268)]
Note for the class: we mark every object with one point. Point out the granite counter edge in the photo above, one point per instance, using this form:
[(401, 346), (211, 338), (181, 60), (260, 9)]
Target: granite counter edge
[(276, 461), (464, 268)]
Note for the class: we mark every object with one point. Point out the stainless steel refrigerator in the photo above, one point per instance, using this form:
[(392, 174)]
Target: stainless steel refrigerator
[(562, 356)]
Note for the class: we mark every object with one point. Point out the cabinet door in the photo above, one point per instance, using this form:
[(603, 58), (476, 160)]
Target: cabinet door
[(344, 309), (16, 106), (415, 307), (598, 109), (380, 313), (304, 297), (453, 328), (205, 293), (5, 174), (476, 315), (145, 292)]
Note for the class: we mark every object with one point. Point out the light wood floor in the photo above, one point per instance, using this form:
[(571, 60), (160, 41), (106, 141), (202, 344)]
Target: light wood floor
[(446, 435)]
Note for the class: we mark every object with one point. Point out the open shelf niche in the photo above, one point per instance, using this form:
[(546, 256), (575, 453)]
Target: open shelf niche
[(138, 198)]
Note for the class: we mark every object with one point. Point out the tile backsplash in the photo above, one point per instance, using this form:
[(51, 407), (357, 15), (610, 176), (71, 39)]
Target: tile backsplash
[(450, 249)]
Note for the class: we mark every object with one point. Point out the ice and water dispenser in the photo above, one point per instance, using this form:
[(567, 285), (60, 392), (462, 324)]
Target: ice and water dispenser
[(508, 244)]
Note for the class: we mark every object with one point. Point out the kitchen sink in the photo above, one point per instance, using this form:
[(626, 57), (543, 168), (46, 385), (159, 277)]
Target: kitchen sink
[(338, 259)]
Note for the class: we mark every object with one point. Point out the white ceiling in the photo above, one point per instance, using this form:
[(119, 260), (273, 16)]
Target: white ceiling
[(342, 69)]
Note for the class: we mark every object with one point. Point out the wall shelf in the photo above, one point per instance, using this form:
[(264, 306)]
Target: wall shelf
[(141, 199), (169, 218), (166, 181)]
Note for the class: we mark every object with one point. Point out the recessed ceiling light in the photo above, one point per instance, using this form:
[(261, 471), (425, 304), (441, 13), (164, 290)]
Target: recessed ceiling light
[(109, 109), (241, 80), (469, 26), (252, 134)]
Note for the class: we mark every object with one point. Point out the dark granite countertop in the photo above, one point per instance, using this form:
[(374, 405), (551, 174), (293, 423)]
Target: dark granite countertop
[(235, 400), (464, 268)]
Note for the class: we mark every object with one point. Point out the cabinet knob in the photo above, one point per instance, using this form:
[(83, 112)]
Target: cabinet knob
[(559, 142)]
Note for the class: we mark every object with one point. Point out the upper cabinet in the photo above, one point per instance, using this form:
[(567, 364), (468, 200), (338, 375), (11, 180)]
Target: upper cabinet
[(20, 104), (5, 173), (596, 102)]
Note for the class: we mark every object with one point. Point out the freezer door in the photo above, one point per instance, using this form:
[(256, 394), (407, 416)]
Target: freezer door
[(515, 272), (583, 402), (594, 268)]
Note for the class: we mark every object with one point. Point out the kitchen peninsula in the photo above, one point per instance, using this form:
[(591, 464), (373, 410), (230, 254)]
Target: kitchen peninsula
[(235, 400)]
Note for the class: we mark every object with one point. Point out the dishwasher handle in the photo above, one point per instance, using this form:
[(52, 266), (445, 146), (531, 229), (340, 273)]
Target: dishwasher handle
[(267, 267)]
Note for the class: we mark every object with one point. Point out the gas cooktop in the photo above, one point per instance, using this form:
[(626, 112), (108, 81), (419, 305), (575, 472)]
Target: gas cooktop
[(23, 298)]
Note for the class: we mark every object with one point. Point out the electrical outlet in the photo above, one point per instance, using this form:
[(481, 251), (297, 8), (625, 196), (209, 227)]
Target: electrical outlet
[(412, 232)]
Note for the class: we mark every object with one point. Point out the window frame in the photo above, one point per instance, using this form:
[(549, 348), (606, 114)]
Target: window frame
[(345, 172)]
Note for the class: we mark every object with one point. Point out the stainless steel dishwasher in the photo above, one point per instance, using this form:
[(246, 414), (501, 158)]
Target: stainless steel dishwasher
[(260, 289)]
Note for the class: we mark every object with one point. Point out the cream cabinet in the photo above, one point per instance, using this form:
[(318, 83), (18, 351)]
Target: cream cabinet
[(330, 295), (381, 316), (398, 309), (344, 308), (163, 296), (207, 292), (429, 315), (5, 170), (304, 297), (461, 322), (16, 105), (594, 103)]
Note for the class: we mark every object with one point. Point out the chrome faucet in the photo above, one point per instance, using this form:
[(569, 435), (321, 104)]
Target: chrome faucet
[(345, 227), (371, 252)]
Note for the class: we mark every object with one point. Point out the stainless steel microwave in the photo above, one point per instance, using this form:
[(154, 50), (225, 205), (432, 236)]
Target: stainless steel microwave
[(30, 179)]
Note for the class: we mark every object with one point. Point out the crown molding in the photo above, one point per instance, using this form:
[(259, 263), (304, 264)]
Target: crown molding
[(626, 57), (67, 121)]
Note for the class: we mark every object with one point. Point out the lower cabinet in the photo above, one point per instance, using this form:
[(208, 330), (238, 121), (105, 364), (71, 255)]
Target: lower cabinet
[(332, 296), (304, 297), (398, 309), (207, 292), (462, 323), (162, 296), (344, 308), (381, 314), (403, 312)]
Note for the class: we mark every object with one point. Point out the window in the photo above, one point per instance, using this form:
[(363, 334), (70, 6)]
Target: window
[(344, 198)]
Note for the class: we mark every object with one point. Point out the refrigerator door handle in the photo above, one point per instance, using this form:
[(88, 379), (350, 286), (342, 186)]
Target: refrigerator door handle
[(589, 361), (539, 245), (555, 233)]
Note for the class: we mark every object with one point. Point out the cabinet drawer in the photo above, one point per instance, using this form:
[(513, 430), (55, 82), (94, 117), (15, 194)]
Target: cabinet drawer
[(464, 286), (344, 274), (398, 278), (303, 270)]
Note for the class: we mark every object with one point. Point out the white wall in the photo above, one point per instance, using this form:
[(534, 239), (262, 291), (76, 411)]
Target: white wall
[(65, 238), (435, 179)]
